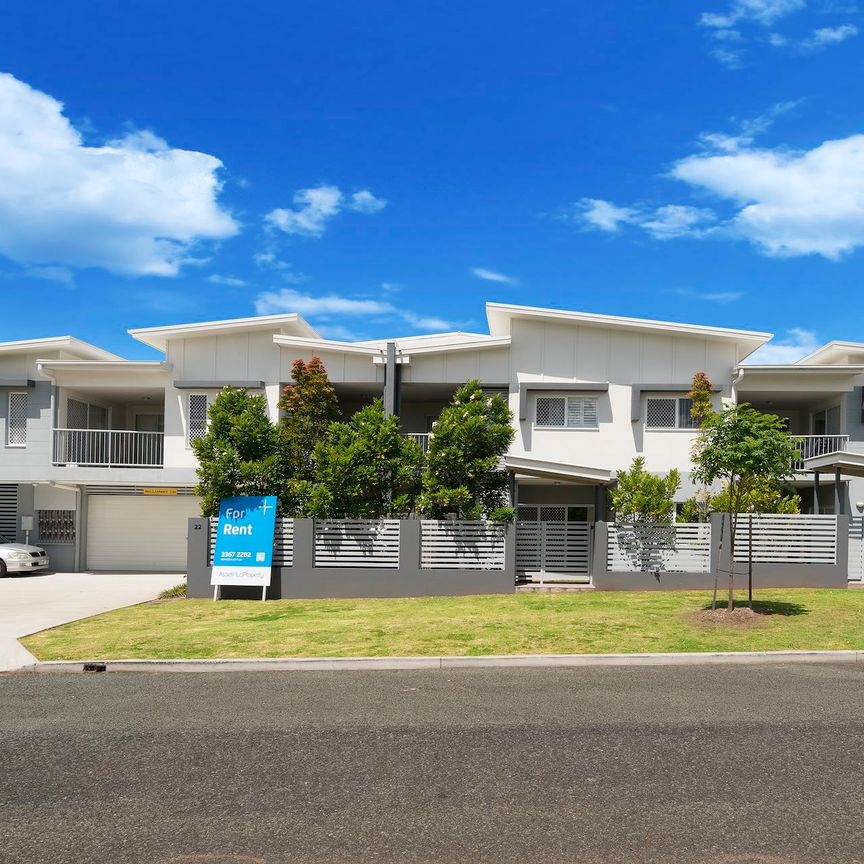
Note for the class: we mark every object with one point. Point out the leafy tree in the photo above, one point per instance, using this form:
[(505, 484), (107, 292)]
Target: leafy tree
[(644, 510), (463, 466), (308, 406), (744, 449), (365, 469), (700, 393), (238, 454), (641, 497), (763, 497)]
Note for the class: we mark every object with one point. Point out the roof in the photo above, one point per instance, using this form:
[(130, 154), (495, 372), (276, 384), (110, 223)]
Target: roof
[(832, 352), (103, 365), (58, 343), (850, 464), (547, 468), (157, 337), (500, 316)]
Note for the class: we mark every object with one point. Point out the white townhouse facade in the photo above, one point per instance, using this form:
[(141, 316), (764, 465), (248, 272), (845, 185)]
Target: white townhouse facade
[(97, 449)]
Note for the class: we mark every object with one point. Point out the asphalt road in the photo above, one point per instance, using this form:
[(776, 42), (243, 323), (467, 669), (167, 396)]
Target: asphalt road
[(735, 765)]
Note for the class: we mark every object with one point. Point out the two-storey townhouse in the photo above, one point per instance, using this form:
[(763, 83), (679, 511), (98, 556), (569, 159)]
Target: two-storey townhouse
[(107, 469)]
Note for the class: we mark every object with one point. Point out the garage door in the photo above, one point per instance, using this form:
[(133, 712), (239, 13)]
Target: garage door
[(138, 532)]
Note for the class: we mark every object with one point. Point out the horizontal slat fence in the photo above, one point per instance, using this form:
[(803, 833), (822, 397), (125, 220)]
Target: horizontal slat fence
[(856, 549), (357, 543), (557, 551), (283, 542), (679, 547), (787, 539), (461, 545)]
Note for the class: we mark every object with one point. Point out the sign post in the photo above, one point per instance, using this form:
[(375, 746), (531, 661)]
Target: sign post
[(244, 542)]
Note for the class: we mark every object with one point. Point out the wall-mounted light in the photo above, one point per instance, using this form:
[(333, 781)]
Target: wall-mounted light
[(860, 506)]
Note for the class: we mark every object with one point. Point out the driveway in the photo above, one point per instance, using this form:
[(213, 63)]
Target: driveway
[(36, 602)]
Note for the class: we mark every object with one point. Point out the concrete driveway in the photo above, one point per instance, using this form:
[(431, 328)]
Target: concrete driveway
[(36, 602)]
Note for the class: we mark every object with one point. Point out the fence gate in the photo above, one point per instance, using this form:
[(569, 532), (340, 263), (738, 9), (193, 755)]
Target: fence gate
[(549, 548), (856, 549)]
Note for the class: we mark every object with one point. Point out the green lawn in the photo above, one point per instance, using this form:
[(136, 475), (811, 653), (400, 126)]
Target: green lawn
[(515, 624)]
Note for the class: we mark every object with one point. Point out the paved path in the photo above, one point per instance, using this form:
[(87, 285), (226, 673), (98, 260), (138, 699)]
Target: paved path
[(727, 765), (35, 602)]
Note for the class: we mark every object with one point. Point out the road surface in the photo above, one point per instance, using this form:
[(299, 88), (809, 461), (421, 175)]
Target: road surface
[(735, 765)]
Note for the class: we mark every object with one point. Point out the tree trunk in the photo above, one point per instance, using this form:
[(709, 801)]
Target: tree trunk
[(719, 563), (732, 527)]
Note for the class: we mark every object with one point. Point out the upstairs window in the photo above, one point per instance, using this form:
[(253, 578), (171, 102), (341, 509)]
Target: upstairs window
[(16, 425), (572, 412), (669, 413), (197, 416)]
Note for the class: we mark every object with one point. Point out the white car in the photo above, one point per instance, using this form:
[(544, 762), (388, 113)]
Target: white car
[(20, 558)]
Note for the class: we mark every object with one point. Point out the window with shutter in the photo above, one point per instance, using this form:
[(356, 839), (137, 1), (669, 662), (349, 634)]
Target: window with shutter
[(572, 412), (197, 416), (16, 428), (669, 412)]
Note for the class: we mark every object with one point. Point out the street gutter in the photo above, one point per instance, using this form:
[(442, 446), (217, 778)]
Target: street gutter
[(319, 664)]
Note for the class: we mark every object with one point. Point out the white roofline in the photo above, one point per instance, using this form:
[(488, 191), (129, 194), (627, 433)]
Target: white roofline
[(479, 345), (828, 346), (59, 343), (793, 367), (634, 323), (156, 337), (562, 470), (327, 345), (121, 365)]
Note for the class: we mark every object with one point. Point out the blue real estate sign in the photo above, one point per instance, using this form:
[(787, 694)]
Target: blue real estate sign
[(244, 541)]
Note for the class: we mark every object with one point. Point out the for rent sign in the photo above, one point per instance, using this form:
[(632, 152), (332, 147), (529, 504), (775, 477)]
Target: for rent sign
[(244, 541)]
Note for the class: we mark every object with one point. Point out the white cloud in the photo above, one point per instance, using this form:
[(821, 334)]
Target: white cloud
[(365, 202), (233, 281), (603, 214), (330, 311), (51, 273), (133, 206), (722, 298), (797, 344), (764, 12), (315, 207), (493, 276), (676, 220), (830, 35), (289, 300), (748, 129), (789, 203)]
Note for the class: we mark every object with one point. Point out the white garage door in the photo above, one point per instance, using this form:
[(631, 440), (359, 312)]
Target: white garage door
[(138, 532)]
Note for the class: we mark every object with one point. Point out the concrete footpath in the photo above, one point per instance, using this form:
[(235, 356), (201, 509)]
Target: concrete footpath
[(36, 602)]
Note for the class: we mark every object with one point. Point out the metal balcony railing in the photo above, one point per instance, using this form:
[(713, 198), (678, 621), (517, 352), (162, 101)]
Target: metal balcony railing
[(108, 448), (421, 438), (817, 445)]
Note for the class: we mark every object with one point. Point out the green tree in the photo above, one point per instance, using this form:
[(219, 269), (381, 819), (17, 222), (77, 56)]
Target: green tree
[(641, 497), (763, 497), (238, 454), (644, 512), (700, 393), (463, 466), (743, 449), (365, 469), (309, 405)]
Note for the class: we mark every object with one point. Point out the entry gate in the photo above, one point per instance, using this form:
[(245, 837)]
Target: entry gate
[(549, 548), (856, 549)]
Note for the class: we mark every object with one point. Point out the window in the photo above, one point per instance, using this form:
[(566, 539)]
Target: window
[(669, 413), (16, 426), (575, 412), (197, 416)]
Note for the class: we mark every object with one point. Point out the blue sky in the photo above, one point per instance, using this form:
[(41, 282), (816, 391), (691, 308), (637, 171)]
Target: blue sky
[(385, 168)]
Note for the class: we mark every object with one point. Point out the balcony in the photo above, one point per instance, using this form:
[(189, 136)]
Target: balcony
[(108, 448), (817, 445)]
